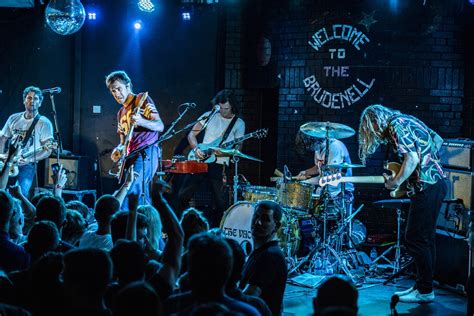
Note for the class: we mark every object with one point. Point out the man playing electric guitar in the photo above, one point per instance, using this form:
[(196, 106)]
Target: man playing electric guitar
[(138, 127), (221, 122), (29, 131), (417, 146)]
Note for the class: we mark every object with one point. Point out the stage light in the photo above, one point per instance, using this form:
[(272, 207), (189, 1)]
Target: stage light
[(146, 6), (137, 25), (186, 16), (92, 15)]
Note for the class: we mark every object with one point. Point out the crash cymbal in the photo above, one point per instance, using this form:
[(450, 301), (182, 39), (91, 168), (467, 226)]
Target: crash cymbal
[(346, 165), (235, 152), (334, 130)]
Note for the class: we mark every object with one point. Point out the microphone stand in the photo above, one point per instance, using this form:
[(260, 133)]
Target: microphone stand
[(167, 135), (56, 127)]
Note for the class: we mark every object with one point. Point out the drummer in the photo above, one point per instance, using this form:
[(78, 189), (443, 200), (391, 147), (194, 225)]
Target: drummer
[(338, 154)]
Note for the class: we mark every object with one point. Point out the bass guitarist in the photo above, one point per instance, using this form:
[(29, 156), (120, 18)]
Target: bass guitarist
[(139, 124), (417, 146), (31, 132), (223, 122)]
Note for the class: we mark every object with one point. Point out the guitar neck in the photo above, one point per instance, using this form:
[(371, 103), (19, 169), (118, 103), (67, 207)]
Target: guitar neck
[(363, 179)]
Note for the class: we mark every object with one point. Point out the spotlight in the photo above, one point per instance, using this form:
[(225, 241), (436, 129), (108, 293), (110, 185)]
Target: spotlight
[(91, 15), (186, 16), (137, 25), (146, 6)]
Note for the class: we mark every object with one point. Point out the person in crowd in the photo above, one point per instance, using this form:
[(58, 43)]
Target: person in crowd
[(336, 296), (138, 298), (17, 223), (43, 237), (257, 278), (74, 228), (154, 239)]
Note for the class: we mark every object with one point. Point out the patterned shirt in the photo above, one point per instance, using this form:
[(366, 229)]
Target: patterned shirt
[(408, 134), (141, 136)]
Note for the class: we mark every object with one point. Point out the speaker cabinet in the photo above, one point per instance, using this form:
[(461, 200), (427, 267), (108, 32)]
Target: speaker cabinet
[(460, 186), (78, 172), (452, 259)]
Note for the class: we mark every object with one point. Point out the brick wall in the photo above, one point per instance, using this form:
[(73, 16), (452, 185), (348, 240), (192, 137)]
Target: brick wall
[(416, 53)]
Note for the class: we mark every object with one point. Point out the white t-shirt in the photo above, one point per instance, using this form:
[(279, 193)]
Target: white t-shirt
[(338, 153), (217, 126), (90, 239), (17, 126)]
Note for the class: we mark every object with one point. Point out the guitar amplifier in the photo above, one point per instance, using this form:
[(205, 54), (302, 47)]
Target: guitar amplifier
[(457, 154), (460, 186), (78, 172)]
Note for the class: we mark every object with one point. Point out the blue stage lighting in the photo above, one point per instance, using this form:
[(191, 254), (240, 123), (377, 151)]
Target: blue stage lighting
[(91, 15), (186, 16), (137, 25), (146, 6)]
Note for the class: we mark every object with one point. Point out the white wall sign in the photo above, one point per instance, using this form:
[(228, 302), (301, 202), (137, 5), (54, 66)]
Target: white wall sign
[(351, 94)]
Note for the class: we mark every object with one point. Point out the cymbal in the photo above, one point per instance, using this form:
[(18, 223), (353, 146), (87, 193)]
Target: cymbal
[(334, 130), (346, 165), (235, 152)]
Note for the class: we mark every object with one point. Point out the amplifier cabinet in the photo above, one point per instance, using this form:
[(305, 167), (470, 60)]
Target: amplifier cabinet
[(457, 154), (460, 186), (78, 172)]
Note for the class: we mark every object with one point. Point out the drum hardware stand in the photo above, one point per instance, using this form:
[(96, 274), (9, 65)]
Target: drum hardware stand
[(235, 186), (396, 262)]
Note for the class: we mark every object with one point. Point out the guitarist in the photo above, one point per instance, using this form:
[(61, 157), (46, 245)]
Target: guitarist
[(417, 147), (147, 126), (29, 130), (222, 121)]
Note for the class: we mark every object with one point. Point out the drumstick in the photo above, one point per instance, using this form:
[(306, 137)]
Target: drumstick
[(278, 173)]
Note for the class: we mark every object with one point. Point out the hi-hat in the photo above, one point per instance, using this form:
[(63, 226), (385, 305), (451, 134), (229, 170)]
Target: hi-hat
[(235, 153), (332, 130), (346, 165)]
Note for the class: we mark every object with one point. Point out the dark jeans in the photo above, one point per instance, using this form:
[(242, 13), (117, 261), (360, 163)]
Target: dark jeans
[(26, 174), (213, 177), (420, 232)]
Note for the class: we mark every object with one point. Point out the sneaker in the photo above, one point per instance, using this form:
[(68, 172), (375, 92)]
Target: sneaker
[(402, 293), (417, 297)]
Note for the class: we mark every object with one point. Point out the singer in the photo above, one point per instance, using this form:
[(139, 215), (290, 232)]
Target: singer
[(223, 122), (147, 125), (32, 132)]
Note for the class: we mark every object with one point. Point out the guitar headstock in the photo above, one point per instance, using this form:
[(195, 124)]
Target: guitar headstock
[(332, 179), (260, 133)]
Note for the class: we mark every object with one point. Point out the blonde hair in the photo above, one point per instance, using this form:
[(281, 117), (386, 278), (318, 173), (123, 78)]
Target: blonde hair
[(154, 226), (373, 122)]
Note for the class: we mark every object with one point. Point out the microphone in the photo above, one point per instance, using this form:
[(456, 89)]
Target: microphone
[(52, 90)]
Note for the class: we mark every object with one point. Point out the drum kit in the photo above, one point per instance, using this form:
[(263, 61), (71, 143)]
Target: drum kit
[(318, 232)]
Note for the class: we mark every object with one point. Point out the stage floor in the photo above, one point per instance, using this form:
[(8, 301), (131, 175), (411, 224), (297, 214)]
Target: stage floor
[(374, 299)]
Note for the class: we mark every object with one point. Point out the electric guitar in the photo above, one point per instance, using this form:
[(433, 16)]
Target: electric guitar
[(123, 152), (13, 172), (209, 152), (393, 167)]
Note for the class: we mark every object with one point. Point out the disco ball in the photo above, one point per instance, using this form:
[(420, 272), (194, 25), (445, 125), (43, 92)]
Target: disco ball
[(65, 17)]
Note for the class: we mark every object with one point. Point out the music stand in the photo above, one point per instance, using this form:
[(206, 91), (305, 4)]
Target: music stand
[(397, 205)]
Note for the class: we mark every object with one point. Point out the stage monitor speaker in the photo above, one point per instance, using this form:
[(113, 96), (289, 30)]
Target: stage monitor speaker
[(460, 186), (78, 172), (452, 259)]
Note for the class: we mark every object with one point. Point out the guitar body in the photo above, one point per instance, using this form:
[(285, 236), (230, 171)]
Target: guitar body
[(13, 172), (209, 150)]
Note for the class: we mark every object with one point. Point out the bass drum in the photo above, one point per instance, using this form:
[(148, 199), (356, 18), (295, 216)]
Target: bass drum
[(237, 224)]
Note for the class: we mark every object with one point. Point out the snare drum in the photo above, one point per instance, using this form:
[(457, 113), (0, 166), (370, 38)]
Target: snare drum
[(237, 223), (294, 194), (255, 193)]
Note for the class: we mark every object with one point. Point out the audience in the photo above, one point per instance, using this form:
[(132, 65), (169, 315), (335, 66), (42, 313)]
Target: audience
[(138, 298), (43, 237), (74, 227), (17, 222)]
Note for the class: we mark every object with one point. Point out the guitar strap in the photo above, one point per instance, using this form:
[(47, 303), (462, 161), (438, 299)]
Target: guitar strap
[(30, 130), (228, 130)]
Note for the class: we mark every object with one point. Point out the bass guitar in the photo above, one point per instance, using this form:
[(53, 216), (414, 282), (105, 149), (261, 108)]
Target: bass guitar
[(393, 167), (209, 149)]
